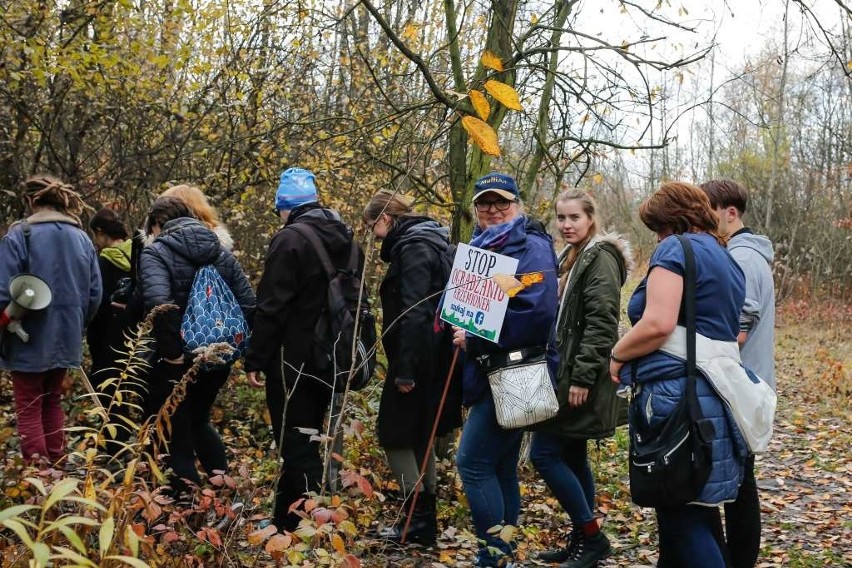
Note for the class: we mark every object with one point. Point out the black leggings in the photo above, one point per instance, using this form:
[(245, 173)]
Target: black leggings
[(193, 435)]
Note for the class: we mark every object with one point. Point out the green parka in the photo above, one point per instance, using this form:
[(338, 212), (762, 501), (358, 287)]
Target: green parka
[(586, 330)]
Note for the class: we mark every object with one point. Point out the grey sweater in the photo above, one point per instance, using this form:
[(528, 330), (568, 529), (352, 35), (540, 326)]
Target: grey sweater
[(754, 255)]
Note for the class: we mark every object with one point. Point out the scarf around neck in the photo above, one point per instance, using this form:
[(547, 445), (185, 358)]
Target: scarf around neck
[(497, 236)]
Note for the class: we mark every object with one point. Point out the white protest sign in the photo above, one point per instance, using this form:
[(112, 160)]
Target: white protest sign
[(473, 301)]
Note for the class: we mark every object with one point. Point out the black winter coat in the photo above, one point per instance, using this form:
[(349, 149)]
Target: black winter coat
[(416, 249), (167, 269), (105, 333), (293, 291)]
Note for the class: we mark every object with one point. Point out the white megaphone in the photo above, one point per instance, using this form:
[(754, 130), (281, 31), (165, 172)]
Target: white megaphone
[(28, 293)]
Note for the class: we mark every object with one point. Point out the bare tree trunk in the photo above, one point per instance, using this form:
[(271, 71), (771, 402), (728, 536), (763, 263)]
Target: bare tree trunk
[(777, 127), (563, 9), (711, 127)]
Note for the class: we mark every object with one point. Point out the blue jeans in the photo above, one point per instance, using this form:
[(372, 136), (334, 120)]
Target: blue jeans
[(487, 460), (564, 466), (688, 537)]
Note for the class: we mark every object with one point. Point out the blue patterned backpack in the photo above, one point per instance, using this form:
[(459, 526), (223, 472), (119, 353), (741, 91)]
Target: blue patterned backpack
[(213, 315)]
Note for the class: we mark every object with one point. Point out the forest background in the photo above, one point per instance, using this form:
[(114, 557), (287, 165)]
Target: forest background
[(124, 98)]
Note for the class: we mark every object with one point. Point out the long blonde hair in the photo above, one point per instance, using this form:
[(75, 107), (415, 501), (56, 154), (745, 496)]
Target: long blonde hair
[(590, 208), (197, 202)]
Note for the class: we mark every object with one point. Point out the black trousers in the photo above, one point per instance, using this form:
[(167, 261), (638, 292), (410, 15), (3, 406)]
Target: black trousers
[(742, 522), (193, 435), (307, 402)]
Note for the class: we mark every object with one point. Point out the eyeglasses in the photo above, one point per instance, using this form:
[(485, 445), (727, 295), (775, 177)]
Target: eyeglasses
[(498, 204)]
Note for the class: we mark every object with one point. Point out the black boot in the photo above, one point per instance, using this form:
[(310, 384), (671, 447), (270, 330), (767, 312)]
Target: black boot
[(423, 528), (588, 551), (558, 555)]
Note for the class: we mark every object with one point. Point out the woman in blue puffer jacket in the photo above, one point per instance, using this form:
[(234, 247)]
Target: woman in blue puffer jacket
[(689, 534), (487, 456)]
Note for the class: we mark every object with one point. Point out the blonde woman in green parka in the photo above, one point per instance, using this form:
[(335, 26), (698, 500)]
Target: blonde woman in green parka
[(593, 268)]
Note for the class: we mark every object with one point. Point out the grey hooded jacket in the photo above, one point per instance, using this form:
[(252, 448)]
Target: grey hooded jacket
[(754, 255)]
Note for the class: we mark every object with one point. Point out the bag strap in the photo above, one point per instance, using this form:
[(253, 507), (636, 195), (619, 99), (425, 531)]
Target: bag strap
[(325, 260), (136, 246), (27, 231), (688, 303)]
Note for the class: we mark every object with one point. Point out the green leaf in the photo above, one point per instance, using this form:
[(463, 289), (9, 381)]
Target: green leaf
[(63, 552), (105, 535), (73, 538), (132, 540), (60, 491), (87, 502), (41, 553), (15, 511), (37, 483), (129, 560), (20, 530)]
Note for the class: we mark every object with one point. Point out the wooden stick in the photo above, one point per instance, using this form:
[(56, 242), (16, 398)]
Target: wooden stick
[(431, 443)]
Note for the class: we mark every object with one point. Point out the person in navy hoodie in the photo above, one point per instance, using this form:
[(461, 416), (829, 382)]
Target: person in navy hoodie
[(487, 456), (50, 244)]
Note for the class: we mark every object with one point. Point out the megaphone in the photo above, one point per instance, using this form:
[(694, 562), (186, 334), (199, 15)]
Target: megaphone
[(28, 292)]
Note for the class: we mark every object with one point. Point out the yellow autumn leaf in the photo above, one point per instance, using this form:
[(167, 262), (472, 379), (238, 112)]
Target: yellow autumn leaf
[(492, 61), (509, 284), (337, 543), (409, 32), (480, 104), (531, 278), (502, 92), (481, 134)]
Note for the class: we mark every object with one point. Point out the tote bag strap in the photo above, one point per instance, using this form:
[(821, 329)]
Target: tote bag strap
[(688, 304)]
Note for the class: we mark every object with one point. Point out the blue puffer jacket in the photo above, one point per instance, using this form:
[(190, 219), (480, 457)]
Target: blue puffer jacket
[(62, 255), (530, 316), (661, 381), (168, 267)]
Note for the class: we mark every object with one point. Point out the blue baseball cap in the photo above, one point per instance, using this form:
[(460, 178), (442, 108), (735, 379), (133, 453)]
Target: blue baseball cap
[(296, 188), (495, 182)]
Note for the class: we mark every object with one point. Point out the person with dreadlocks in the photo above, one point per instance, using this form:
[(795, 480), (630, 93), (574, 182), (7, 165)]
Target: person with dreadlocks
[(50, 244)]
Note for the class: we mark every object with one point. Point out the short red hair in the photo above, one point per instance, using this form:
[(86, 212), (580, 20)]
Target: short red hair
[(679, 207)]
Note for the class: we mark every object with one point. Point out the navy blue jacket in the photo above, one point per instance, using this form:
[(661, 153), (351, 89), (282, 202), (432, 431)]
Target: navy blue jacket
[(62, 255), (530, 316), (662, 380), (167, 269)]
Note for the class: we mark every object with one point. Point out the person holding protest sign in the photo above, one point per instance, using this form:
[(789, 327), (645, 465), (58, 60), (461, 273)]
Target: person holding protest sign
[(416, 248), (594, 267), (487, 456)]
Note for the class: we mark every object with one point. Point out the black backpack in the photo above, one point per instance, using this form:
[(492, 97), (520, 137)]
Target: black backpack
[(334, 333)]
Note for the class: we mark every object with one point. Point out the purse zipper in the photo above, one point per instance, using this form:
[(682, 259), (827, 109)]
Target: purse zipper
[(650, 465)]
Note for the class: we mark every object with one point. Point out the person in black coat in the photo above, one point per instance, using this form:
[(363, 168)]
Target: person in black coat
[(181, 246), (418, 356), (107, 331), (293, 291)]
